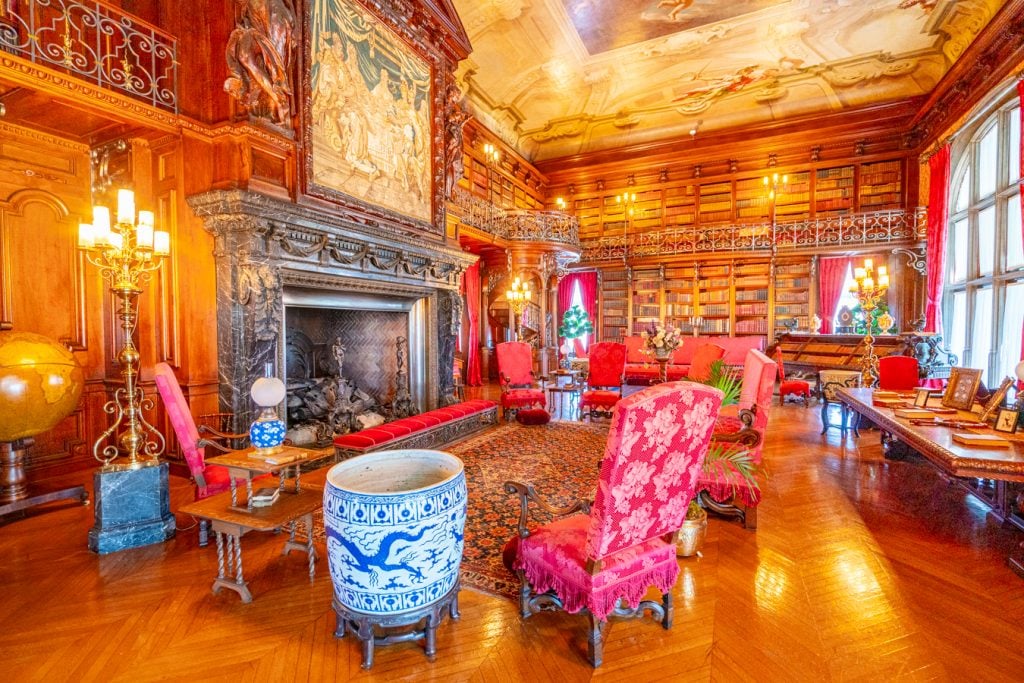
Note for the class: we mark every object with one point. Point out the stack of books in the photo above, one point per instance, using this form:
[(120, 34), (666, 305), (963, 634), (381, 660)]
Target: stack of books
[(265, 496)]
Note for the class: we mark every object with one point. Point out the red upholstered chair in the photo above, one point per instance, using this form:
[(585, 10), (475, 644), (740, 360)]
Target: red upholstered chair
[(795, 387), (603, 559), (724, 491), (898, 373), (208, 480), (604, 379), (703, 357), (515, 373)]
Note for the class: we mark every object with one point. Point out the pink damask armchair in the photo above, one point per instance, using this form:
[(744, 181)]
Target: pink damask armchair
[(722, 490), (602, 560), (515, 373), (208, 480), (604, 379)]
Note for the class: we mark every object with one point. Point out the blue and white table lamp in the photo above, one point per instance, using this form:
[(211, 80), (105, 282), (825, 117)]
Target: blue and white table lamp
[(267, 433)]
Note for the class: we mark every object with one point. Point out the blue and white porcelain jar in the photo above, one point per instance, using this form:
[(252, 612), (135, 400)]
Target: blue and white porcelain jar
[(394, 523)]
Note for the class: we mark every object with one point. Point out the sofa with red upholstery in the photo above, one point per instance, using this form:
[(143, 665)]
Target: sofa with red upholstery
[(641, 369), (431, 429)]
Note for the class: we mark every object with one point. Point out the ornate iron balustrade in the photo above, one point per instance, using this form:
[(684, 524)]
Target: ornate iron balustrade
[(97, 43), (882, 227), (530, 226)]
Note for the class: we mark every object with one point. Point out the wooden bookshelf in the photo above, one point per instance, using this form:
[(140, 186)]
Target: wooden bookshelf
[(645, 300), (881, 185), (679, 297), (715, 203), (792, 295), (834, 189), (794, 200), (614, 304), (714, 298), (751, 282)]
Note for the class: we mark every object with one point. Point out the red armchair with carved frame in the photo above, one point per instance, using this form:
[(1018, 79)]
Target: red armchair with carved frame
[(722, 489), (515, 373), (602, 560), (605, 378)]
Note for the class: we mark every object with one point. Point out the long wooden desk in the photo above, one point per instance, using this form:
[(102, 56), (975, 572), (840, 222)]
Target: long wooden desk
[(935, 443), (234, 522)]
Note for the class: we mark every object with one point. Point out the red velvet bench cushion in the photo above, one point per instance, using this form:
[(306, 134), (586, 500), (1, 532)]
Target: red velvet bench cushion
[(389, 431)]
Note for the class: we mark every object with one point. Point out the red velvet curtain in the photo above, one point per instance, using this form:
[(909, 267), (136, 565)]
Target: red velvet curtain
[(588, 292), (831, 274), (935, 237), (471, 282)]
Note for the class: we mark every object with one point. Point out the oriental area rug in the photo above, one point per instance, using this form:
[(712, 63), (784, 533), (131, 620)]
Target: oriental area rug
[(559, 459)]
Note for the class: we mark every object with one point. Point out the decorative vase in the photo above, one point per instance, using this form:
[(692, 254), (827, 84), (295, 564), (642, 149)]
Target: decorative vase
[(690, 538), (394, 523), (885, 323), (662, 353)]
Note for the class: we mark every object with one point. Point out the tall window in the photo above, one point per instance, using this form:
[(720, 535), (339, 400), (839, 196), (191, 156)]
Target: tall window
[(985, 258), (577, 300)]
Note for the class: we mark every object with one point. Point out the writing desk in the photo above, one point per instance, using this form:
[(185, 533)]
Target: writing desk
[(230, 524), (935, 443)]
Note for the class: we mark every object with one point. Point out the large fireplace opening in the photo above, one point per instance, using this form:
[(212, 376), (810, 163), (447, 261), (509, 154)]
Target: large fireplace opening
[(352, 361)]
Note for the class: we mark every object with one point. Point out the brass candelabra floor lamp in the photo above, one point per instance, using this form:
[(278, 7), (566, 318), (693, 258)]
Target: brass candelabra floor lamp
[(518, 298), (869, 292)]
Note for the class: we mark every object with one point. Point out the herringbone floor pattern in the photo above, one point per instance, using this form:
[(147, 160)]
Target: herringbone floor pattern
[(861, 569)]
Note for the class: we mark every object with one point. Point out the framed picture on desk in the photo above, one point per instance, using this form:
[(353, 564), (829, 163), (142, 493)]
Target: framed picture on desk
[(1006, 421), (962, 387), (921, 398), (996, 400)]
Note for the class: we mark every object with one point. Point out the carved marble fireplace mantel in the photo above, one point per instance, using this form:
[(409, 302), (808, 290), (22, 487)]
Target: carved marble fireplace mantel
[(264, 245)]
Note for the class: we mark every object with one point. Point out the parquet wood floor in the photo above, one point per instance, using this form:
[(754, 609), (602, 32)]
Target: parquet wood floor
[(861, 569)]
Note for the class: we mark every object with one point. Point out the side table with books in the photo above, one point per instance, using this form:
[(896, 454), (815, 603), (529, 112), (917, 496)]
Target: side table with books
[(248, 464)]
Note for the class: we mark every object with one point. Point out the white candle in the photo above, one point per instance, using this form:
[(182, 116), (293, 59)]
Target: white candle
[(868, 264), (101, 224), (86, 239), (161, 243), (125, 206), (883, 280), (116, 240), (144, 237)]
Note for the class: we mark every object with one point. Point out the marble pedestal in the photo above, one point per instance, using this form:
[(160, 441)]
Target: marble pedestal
[(133, 508)]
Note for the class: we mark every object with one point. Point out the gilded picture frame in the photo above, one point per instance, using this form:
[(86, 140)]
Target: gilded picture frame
[(996, 400), (371, 108), (962, 388)]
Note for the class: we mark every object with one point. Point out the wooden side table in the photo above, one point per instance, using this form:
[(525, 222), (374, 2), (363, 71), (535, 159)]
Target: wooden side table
[(230, 524), (573, 390), (244, 464)]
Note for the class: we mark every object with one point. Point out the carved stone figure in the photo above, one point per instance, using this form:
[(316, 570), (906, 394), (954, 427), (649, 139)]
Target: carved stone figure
[(455, 119), (449, 316), (259, 56), (402, 407), (338, 351)]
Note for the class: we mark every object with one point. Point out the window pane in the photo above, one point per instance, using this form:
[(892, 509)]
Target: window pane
[(981, 332), (956, 326), (1014, 143), (963, 193), (1014, 242), (987, 162), (986, 240), (959, 246), (1010, 331)]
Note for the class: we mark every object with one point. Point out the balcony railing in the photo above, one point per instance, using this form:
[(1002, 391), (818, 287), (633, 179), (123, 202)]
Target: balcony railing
[(95, 42), (528, 226), (853, 230)]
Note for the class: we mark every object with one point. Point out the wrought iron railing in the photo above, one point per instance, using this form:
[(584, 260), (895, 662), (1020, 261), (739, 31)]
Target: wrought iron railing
[(96, 42), (863, 229), (533, 226)]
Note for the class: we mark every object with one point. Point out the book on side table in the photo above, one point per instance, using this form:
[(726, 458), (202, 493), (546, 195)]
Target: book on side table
[(980, 440), (265, 496)]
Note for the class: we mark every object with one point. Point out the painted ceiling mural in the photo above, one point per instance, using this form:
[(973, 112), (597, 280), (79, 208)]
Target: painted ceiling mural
[(561, 77)]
